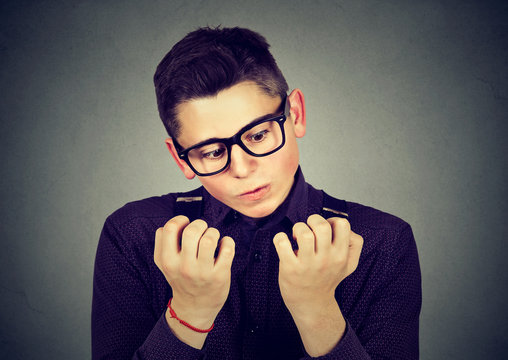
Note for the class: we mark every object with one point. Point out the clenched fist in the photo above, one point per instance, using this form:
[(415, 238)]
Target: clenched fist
[(328, 252), (184, 252)]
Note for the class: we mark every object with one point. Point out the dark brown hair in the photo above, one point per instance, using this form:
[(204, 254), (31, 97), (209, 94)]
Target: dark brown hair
[(209, 60)]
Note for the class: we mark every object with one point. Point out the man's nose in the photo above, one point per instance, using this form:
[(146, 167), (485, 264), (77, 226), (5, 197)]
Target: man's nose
[(242, 164)]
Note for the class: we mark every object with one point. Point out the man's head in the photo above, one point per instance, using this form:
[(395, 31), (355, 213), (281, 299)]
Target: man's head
[(207, 61), (226, 83)]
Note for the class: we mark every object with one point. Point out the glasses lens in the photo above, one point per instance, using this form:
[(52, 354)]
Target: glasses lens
[(209, 158), (263, 138)]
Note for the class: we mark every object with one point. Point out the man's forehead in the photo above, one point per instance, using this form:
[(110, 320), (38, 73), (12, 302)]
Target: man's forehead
[(223, 115)]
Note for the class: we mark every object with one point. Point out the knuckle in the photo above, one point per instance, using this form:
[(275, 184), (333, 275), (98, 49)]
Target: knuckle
[(171, 226), (323, 227), (360, 240), (157, 260), (212, 233), (279, 236), (227, 250), (315, 219), (301, 225), (207, 241), (341, 223), (178, 221), (191, 231), (195, 228), (167, 268), (302, 232), (338, 260), (199, 223), (323, 264), (186, 271), (307, 235)]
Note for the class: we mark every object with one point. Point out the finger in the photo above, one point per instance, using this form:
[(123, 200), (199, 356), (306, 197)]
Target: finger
[(284, 248), (305, 239), (322, 232), (207, 246), (167, 239), (355, 250), (226, 254), (190, 239), (340, 235)]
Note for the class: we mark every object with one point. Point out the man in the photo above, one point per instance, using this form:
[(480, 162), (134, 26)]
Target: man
[(256, 263)]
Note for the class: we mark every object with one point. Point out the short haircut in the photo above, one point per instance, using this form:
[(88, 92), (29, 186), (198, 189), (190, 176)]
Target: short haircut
[(209, 60)]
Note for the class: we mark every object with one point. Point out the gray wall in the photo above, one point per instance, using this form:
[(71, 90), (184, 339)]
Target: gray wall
[(407, 112)]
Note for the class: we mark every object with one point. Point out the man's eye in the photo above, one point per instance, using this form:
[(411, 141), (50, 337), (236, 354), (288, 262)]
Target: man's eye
[(259, 136), (213, 155)]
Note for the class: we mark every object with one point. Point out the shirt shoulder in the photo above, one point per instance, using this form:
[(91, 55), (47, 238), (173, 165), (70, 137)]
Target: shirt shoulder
[(144, 209), (366, 216), (381, 231), (128, 233)]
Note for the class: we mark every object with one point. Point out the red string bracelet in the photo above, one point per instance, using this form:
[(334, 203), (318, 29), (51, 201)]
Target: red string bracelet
[(173, 315)]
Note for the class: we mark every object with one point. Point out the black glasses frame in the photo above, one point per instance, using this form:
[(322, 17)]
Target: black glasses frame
[(236, 139)]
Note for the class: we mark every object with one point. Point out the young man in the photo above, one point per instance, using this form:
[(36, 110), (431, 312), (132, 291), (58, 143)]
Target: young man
[(256, 263)]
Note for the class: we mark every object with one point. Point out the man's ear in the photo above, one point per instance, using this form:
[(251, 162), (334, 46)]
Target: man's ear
[(187, 171), (297, 112)]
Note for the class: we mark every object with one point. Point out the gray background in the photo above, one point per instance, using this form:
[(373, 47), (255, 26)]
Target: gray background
[(407, 112)]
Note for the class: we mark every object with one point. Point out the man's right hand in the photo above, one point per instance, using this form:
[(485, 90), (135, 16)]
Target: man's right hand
[(200, 282)]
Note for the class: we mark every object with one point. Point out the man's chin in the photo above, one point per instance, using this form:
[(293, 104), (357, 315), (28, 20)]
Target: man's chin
[(259, 211)]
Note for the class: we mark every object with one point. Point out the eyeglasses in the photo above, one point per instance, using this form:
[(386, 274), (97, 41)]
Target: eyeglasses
[(260, 138)]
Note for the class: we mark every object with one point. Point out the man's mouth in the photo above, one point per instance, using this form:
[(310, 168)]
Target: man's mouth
[(255, 194)]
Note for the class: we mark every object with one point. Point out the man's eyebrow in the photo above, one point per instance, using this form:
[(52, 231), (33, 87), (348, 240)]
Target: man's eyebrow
[(260, 118), (263, 117)]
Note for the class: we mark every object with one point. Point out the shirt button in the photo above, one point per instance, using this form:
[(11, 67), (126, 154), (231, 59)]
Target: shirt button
[(257, 257), (254, 329)]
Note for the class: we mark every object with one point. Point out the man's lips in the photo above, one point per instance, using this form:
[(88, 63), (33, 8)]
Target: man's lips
[(255, 194)]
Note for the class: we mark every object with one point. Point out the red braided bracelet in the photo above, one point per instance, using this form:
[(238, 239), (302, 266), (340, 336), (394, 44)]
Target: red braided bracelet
[(173, 315)]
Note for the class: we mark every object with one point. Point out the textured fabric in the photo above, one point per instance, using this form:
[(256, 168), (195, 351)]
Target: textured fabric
[(381, 300)]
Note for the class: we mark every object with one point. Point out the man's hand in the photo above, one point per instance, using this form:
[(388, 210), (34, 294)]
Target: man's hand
[(328, 252), (200, 282)]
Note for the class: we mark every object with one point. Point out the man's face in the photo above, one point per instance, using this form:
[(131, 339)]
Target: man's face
[(253, 186)]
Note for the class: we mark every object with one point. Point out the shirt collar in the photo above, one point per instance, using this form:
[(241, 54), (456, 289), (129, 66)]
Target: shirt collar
[(294, 207), (298, 199)]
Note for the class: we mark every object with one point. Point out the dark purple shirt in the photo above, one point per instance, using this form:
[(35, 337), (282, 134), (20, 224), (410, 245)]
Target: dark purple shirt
[(381, 300)]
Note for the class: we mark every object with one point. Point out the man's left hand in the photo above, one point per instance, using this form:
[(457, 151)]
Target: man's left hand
[(328, 252)]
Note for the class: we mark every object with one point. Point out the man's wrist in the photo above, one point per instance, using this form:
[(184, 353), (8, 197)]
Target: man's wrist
[(320, 327), (184, 334), (197, 316), (313, 314)]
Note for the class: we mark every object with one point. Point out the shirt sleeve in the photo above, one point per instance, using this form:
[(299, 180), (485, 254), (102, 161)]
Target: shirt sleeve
[(391, 325), (124, 326)]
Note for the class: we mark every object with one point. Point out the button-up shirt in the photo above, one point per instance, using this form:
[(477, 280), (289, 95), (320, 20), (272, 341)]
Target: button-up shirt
[(380, 301)]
